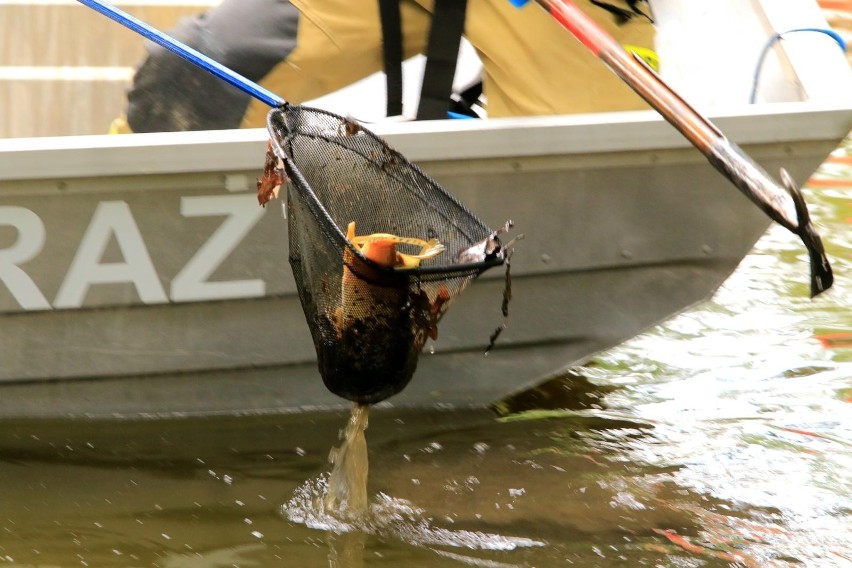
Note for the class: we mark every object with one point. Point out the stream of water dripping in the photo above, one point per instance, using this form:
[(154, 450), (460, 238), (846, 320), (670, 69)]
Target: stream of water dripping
[(346, 495)]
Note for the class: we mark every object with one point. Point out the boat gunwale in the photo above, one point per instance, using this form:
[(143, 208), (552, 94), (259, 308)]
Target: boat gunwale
[(428, 141)]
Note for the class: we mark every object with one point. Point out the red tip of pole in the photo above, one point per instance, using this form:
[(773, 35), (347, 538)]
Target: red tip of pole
[(584, 28)]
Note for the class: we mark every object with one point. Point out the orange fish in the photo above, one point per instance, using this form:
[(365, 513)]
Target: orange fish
[(380, 322), (370, 293)]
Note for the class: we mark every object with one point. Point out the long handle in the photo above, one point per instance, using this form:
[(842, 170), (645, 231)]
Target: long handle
[(784, 205), (195, 57)]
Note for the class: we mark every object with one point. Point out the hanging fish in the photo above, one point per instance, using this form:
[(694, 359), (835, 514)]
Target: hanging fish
[(369, 294), (382, 319)]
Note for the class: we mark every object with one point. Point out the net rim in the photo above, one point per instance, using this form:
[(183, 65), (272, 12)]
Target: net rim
[(337, 234)]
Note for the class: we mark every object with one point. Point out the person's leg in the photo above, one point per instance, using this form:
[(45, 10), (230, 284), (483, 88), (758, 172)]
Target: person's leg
[(339, 43), (248, 36), (534, 66)]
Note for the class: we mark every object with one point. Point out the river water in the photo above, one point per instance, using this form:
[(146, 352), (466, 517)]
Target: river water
[(722, 437)]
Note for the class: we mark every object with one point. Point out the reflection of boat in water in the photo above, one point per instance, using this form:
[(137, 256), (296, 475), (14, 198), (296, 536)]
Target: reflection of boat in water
[(139, 275)]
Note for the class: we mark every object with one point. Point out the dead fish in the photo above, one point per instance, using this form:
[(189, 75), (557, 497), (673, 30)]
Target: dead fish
[(380, 324)]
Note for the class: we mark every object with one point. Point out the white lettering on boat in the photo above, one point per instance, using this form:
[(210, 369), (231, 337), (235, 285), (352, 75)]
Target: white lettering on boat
[(191, 282), (113, 221), (30, 241)]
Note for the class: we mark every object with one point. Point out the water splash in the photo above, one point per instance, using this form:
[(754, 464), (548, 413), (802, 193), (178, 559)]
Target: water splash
[(392, 517), (339, 503)]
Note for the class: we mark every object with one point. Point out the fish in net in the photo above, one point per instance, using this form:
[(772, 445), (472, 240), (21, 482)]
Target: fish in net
[(378, 249)]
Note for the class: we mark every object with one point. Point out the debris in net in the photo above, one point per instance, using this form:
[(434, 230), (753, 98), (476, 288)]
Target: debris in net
[(487, 249), (269, 185)]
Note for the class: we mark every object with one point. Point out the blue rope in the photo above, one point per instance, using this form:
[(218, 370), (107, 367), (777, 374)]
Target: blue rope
[(195, 57), (778, 37)]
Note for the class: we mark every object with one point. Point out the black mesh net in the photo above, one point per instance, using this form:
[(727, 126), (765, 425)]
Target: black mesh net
[(353, 205)]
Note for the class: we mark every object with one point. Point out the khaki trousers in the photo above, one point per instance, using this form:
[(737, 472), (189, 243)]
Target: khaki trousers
[(531, 65)]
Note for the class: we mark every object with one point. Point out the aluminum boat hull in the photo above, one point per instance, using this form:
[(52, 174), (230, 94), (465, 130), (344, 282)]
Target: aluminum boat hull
[(140, 276)]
